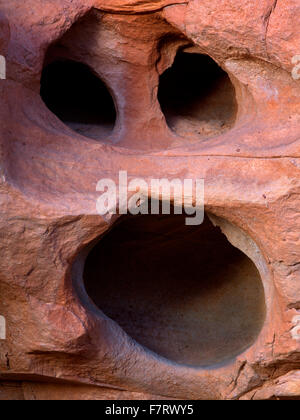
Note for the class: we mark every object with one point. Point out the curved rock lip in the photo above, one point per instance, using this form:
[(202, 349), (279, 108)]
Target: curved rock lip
[(135, 6)]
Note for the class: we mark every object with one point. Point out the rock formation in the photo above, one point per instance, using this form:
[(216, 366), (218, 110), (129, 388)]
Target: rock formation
[(142, 307)]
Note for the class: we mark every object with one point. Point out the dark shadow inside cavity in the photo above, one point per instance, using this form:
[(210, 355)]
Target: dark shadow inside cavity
[(197, 96), (78, 98), (183, 292)]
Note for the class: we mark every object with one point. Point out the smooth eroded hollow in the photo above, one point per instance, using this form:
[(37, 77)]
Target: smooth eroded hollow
[(78, 98), (183, 292), (197, 97)]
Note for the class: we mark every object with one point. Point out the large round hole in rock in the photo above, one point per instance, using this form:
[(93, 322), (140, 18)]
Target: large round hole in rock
[(78, 98), (183, 292), (197, 96)]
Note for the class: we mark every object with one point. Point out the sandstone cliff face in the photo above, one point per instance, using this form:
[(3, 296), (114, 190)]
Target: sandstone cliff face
[(107, 307)]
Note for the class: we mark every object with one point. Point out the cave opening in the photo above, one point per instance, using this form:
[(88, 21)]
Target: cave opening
[(79, 98), (183, 292), (197, 96)]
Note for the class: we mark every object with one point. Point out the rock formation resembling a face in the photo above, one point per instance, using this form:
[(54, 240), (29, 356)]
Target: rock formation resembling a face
[(145, 307)]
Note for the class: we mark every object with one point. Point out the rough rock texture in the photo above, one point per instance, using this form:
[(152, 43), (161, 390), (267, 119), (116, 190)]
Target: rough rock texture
[(59, 343)]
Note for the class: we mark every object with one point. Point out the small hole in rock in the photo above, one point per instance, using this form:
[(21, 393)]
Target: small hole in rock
[(197, 96), (78, 98), (183, 292)]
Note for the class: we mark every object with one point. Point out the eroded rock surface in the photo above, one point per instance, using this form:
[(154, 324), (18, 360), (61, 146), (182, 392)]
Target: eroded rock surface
[(75, 305)]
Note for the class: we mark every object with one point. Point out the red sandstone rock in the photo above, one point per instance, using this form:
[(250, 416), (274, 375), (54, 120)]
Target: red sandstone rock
[(243, 138)]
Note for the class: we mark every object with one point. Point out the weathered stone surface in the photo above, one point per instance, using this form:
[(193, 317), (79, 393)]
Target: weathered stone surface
[(59, 344), (4, 34), (135, 6)]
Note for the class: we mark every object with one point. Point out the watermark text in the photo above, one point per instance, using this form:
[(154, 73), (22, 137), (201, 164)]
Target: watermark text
[(2, 67), (296, 69), (2, 328), (157, 196)]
